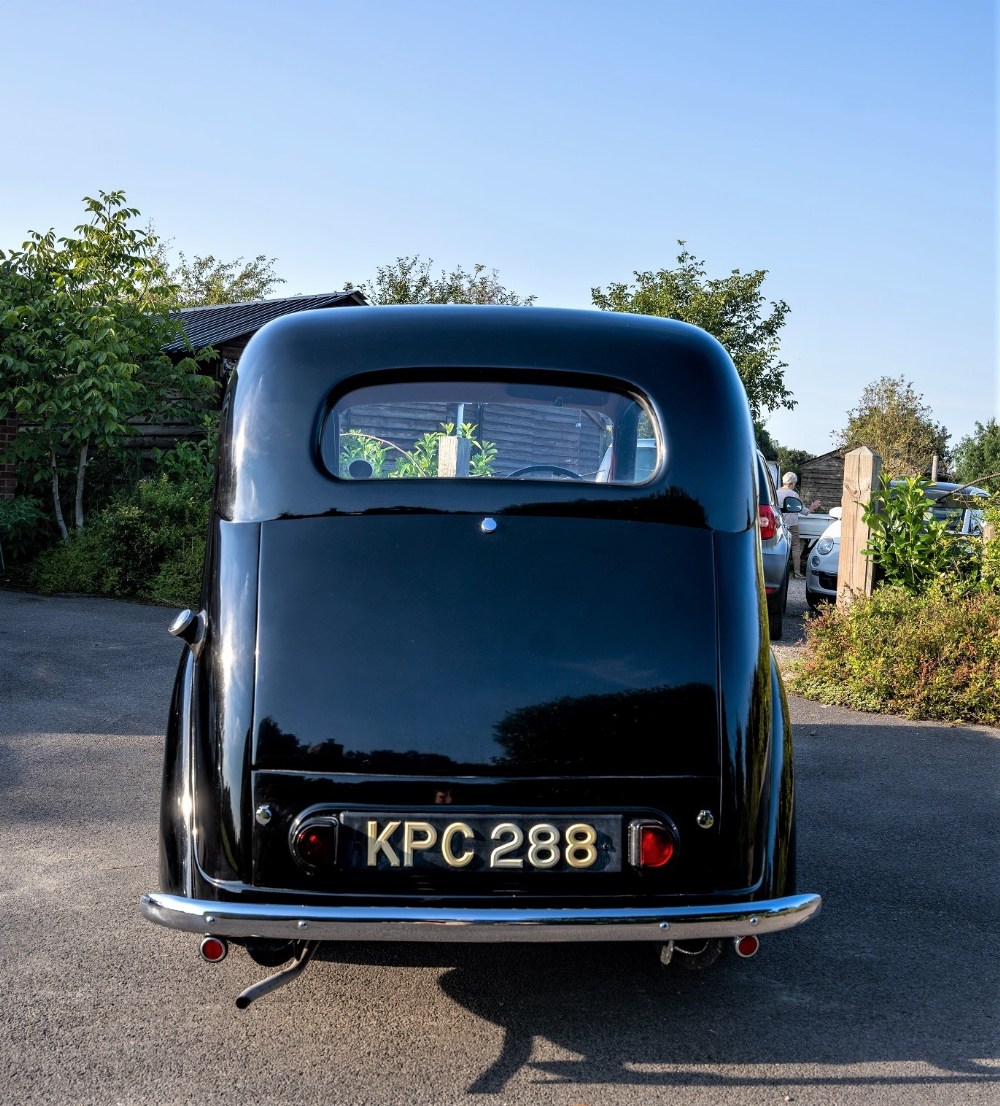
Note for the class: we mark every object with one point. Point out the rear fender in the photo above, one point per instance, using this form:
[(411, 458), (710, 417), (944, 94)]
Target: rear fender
[(779, 825), (176, 835)]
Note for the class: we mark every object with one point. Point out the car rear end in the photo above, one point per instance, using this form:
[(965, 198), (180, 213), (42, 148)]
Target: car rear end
[(528, 701)]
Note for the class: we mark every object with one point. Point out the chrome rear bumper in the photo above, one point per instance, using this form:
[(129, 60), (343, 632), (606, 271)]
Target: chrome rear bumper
[(474, 924)]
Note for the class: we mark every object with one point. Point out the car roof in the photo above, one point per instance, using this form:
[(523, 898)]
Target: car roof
[(942, 488)]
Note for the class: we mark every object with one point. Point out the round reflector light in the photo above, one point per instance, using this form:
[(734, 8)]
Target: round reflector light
[(213, 949), (656, 846), (747, 946)]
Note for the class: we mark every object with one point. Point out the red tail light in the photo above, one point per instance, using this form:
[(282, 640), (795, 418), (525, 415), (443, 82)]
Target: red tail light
[(651, 844), (315, 843), (768, 521)]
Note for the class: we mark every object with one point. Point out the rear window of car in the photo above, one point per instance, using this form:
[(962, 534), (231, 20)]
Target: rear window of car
[(492, 430)]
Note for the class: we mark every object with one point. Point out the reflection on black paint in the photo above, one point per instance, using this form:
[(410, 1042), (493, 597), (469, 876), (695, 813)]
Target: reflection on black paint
[(673, 506), (285, 750), (657, 731), (645, 732)]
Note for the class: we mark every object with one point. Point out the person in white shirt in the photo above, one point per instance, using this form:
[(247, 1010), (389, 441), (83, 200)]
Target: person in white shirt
[(791, 518)]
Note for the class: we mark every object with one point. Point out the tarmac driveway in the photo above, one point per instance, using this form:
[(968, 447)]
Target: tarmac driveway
[(890, 996)]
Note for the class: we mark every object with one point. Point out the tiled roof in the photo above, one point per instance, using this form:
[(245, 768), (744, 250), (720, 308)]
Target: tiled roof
[(214, 326)]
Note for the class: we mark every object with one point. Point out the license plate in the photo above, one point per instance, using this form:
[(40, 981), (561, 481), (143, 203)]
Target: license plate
[(500, 844)]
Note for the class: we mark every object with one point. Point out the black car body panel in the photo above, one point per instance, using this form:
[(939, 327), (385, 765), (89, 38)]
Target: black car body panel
[(372, 649)]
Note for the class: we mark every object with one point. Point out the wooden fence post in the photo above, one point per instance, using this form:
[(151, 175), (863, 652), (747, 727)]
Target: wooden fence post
[(454, 455), (861, 472)]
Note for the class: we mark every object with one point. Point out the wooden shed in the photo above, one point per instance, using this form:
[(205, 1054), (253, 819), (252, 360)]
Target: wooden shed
[(227, 328), (822, 478)]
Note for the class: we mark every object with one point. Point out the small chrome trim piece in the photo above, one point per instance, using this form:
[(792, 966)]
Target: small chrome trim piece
[(263, 814), (181, 623), (192, 628), (185, 800), (488, 525), (495, 925), (705, 819)]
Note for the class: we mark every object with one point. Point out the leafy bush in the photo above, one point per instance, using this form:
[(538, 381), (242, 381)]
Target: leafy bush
[(990, 567), (907, 545), (178, 583), (363, 447), (149, 543), (192, 461), (422, 458), (933, 655), (24, 530)]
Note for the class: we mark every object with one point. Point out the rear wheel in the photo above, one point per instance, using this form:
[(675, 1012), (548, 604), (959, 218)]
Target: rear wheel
[(269, 954)]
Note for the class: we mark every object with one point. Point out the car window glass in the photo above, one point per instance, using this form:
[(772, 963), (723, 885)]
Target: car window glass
[(492, 430)]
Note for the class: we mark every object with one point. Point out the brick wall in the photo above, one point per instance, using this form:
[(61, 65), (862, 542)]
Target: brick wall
[(8, 428)]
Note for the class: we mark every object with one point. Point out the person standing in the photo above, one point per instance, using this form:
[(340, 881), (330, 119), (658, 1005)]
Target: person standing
[(791, 518)]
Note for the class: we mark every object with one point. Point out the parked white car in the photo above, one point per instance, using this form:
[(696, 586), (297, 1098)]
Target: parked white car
[(823, 564)]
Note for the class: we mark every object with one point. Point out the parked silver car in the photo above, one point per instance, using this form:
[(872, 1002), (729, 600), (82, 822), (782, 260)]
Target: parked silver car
[(823, 564), (775, 549)]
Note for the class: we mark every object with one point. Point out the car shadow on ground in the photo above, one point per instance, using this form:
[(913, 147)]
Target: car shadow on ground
[(898, 969)]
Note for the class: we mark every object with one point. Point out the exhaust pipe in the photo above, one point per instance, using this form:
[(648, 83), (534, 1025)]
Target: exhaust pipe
[(304, 952)]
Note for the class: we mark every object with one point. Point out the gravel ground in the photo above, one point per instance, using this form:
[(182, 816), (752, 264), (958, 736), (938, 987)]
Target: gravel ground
[(790, 647)]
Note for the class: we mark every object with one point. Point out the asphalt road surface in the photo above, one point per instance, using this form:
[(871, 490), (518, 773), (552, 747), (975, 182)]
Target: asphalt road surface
[(890, 996)]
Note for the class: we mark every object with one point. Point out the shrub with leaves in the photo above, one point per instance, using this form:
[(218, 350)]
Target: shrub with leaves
[(357, 446), (990, 565), (148, 543), (907, 545), (192, 461), (933, 655), (421, 460)]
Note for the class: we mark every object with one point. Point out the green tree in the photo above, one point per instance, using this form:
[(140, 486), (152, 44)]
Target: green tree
[(410, 280), (792, 460), (893, 421), (731, 308), (83, 320), (765, 443), (206, 281), (977, 456)]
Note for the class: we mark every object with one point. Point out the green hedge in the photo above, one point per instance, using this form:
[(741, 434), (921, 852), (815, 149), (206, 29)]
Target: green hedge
[(935, 655), (148, 543)]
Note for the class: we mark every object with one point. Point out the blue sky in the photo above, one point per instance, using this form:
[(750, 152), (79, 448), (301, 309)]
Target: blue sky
[(848, 148)]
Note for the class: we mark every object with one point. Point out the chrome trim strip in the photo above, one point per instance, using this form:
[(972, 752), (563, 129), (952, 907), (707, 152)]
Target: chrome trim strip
[(186, 797), (477, 924)]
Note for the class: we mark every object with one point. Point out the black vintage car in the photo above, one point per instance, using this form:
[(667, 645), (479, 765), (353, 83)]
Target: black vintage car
[(483, 653)]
